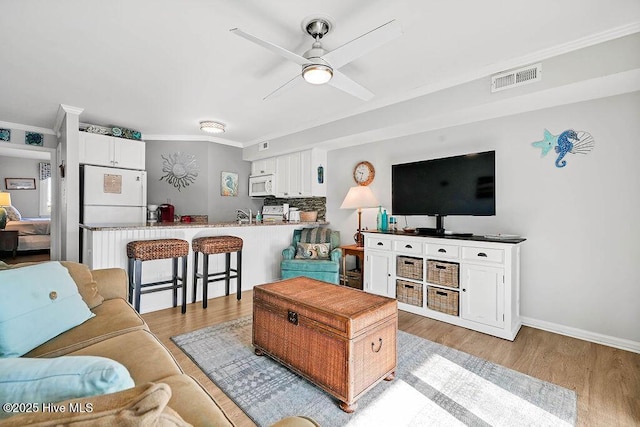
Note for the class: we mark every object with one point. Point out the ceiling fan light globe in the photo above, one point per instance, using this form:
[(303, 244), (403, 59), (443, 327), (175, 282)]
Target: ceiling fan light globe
[(317, 74)]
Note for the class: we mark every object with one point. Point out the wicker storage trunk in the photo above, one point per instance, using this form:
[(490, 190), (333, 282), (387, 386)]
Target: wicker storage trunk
[(442, 300), (341, 339)]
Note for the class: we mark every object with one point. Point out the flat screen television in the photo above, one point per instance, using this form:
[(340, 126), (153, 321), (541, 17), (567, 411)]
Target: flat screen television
[(460, 185)]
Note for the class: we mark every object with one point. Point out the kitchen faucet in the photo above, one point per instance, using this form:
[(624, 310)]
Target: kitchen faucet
[(243, 216)]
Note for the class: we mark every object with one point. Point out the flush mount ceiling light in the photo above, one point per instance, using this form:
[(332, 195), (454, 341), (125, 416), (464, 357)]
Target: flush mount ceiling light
[(317, 74), (211, 127)]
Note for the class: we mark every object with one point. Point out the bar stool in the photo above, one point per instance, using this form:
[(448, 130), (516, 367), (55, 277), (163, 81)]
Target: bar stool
[(216, 245), (147, 250)]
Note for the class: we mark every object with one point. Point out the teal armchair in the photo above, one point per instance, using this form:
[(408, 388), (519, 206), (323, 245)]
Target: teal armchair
[(309, 260)]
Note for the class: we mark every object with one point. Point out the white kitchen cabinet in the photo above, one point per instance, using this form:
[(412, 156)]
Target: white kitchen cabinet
[(103, 150), (263, 166), (297, 174), (488, 289)]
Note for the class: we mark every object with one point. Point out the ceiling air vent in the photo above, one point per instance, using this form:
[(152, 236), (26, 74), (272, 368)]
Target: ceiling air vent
[(264, 145), (515, 78)]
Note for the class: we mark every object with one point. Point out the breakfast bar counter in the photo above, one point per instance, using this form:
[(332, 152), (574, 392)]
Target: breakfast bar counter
[(104, 246)]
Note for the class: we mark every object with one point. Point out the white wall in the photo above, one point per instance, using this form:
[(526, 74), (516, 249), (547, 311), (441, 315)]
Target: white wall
[(202, 197), (26, 201), (579, 263)]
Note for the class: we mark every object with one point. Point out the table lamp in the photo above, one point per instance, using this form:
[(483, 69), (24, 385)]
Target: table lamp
[(359, 197), (5, 200)]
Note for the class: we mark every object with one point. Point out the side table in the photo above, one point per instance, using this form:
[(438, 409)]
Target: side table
[(9, 241), (353, 278)]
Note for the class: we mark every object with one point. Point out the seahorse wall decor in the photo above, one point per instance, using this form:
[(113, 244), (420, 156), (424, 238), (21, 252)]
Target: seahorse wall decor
[(569, 141)]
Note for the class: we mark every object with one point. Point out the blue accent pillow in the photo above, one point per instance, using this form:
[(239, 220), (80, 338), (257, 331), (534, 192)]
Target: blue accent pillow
[(37, 303), (24, 380)]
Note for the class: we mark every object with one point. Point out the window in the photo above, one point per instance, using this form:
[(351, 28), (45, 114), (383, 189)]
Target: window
[(45, 197)]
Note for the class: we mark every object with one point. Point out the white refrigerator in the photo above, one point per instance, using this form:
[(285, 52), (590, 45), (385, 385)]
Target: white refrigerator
[(112, 196)]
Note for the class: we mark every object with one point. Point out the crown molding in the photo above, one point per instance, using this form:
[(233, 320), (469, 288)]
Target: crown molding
[(27, 128), (63, 110), (192, 138)]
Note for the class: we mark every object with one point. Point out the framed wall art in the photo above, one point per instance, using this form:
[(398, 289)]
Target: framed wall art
[(229, 184), (20, 183), (34, 138)]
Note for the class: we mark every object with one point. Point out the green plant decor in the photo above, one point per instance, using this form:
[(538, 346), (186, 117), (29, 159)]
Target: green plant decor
[(3, 218)]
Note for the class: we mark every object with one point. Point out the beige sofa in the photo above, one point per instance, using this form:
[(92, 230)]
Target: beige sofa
[(163, 393)]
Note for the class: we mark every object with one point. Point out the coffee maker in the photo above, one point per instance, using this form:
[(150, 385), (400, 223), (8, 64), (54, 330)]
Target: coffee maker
[(166, 212), (152, 213)]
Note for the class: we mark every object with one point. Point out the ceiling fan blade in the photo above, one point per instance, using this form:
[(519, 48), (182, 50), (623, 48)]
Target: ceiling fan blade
[(344, 83), (272, 47), (363, 44), (288, 85)]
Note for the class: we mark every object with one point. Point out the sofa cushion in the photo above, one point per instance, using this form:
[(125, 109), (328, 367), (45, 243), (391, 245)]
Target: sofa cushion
[(145, 405), (146, 358), (113, 317), (87, 287), (24, 380), (195, 405), (304, 265), (37, 303), (313, 251), (81, 275)]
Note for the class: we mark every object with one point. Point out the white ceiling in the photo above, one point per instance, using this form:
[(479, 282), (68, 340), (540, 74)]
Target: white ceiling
[(161, 66)]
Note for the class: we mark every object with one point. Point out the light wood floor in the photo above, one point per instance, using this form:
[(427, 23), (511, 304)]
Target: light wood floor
[(606, 380)]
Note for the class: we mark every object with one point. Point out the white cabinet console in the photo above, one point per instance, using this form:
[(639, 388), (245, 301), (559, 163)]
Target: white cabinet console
[(473, 282)]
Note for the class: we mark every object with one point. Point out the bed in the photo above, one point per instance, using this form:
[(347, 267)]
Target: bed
[(33, 233)]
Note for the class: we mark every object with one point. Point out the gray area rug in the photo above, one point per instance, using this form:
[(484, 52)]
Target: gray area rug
[(434, 386)]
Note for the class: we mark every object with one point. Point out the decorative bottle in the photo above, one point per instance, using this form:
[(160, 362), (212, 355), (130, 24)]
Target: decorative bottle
[(379, 219), (385, 221)]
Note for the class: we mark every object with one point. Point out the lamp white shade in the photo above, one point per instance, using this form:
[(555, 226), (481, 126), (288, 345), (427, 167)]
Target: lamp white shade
[(358, 197), (5, 199)]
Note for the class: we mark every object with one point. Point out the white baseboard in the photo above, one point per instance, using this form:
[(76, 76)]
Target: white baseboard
[(607, 340)]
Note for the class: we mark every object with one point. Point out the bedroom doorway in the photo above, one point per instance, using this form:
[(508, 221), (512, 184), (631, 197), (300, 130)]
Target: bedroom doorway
[(34, 210)]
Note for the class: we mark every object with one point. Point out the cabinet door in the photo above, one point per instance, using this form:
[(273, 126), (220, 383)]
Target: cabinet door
[(306, 174), (282, 176), (482, 296), (128, 154), (263, 166), (96, 149), (377, 276), (295, 177)]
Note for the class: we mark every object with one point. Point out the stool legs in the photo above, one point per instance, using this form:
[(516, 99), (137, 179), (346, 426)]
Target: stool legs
[(205, 280), (137, 269), (227, 272), (226, 276), (195, 276), (136, 285), (239, 274)]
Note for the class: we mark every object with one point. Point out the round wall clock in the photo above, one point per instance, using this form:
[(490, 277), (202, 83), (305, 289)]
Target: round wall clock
[(364, 173)]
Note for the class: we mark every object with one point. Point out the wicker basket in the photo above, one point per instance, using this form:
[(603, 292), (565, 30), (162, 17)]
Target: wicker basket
[(354, 279), (409, 267), (443, 273), (442, 300), (409, 292), (309, 216)]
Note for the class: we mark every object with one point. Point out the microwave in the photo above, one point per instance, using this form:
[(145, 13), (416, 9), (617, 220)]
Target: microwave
[(262, 185)]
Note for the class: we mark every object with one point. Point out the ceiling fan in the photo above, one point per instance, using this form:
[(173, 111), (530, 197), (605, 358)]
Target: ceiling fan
[(320, 66)]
